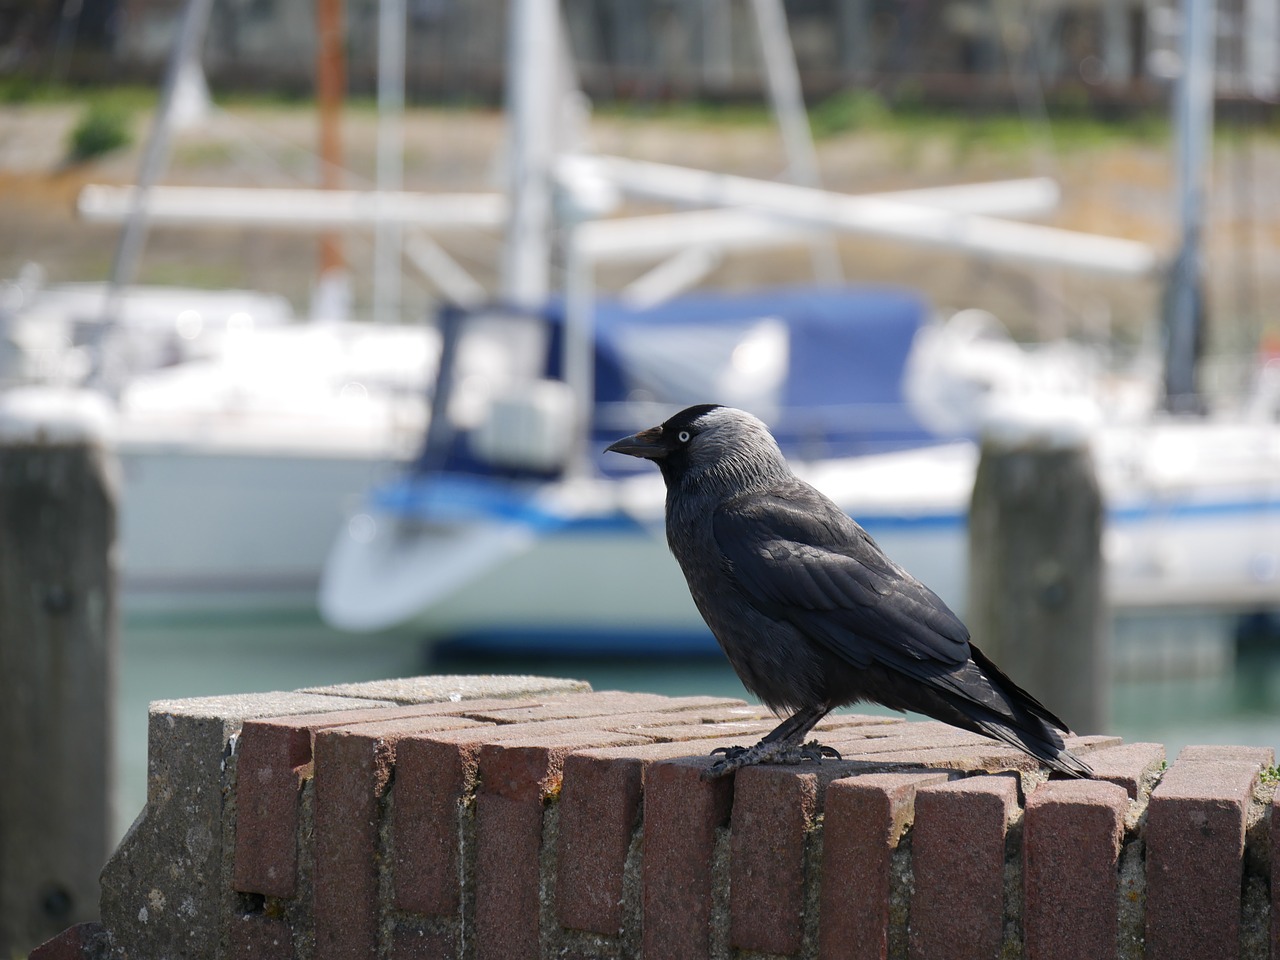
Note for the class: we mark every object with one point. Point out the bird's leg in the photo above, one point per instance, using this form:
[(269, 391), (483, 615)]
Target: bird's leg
[(784, 744)]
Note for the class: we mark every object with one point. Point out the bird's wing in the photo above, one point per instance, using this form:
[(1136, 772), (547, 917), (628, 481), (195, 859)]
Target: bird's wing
[(797, 557)]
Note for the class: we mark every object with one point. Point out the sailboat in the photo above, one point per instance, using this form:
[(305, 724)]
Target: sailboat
[(509, 531)]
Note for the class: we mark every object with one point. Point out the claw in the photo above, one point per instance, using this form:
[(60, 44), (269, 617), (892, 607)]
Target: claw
[(813, 750), (729, 752), (735, 758)]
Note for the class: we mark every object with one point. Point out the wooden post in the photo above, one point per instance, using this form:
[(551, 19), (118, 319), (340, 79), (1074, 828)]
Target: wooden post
[(1036, 595), (331, 85), (58, 653)]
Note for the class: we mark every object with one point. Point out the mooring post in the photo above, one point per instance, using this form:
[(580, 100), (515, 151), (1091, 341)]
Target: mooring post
[(58, 652), (1037, 602)]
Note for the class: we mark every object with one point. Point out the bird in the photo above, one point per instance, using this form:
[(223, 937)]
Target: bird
[(810, 612)]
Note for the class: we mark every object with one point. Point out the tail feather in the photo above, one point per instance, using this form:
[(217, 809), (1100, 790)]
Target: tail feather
[(1028, 725), (978, 696)]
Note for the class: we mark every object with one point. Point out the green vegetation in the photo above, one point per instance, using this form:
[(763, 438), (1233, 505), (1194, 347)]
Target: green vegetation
[(103, 126), (848, 112), (1069, 126), (1270, 774)]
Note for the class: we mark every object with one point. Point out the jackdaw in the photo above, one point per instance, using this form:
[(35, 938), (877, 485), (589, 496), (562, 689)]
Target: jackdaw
[(810, 612)]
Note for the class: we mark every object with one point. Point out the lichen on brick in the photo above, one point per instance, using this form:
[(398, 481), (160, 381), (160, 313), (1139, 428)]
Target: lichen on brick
[(1131, 910), (632, 889), (720, 856), (1011, 944), (901, 888)]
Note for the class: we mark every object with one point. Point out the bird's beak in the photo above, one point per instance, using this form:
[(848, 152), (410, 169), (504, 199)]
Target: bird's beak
[(647, 444)]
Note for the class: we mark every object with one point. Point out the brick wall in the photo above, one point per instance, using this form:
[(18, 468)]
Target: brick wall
[(369, 821)]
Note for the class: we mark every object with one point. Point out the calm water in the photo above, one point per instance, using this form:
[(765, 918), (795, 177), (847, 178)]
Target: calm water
[(1201, 694)]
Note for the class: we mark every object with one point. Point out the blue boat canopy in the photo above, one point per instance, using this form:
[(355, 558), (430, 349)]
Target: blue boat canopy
[(824, 367)]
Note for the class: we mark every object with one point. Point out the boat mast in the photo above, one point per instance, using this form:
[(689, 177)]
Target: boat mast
[(532, 115), (124, 265), (1184, 300), (782, 79)]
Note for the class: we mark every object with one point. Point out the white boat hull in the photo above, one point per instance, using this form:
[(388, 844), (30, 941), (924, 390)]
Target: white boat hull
[(1205, 538)]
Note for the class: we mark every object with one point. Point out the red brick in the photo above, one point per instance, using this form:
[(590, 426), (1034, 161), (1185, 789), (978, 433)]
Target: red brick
[(423, 942), (434, 780), (599, 811), (904, 735), (274, 758), (864, 818), (1274, 823), (598, 704), (743, 732), (1195, 857), (1262, 756), (260, 938), (1072, 833), (975, 758), (437, 770), (352, 770), (682, 813), (514, 781), (662, 750), (833, 721), (748, 723), (77, 942), (1133, 766), (957, 854), (773, 808)]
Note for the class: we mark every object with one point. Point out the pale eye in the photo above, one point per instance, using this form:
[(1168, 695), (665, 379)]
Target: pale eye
[(683, 436)]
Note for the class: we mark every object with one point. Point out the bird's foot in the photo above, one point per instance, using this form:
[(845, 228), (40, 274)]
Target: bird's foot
[(780, 751)]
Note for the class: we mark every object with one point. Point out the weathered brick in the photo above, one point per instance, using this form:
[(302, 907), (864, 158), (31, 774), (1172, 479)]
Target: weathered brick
[(864, 818), (976, 758), (737, 732), (78, 942), (1275, 876), (1133, 766), (437, 770), (682, 813), (514, 781), (1195, 856), (454, 688), (772, 810), (260, 938), (433, 782), (599, 810), (1072, 833), (422, 942), (1214, 753), (352, 770), (351, 774), (274, 758), (957, 852), (508, 844), (599, 704)]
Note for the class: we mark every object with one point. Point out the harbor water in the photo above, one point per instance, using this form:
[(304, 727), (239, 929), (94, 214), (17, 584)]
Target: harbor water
[(1179, 679)]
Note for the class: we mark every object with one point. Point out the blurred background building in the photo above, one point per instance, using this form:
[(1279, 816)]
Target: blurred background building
[(1107, 54)]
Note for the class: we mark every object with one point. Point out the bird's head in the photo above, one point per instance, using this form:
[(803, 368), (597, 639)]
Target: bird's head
[(708, 441)]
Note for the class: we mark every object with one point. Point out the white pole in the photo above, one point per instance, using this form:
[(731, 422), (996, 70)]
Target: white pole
[(387, 241), (1193, 123), (531, 123), (787, 97), (155, 156)]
